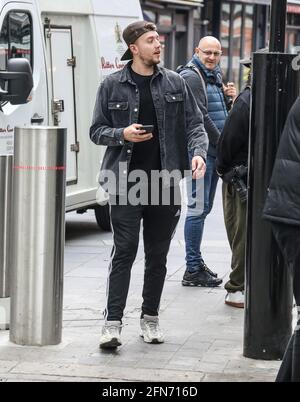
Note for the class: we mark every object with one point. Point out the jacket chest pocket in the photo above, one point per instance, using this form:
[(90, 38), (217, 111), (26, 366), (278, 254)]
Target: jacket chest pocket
[(119, 113), (174, 103)]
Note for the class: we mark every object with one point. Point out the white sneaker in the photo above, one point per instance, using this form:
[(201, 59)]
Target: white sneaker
[(235, 299), (150, 330), (110, 337)]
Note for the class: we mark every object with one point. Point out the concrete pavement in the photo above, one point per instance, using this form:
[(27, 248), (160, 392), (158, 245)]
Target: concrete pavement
[(203, 335)]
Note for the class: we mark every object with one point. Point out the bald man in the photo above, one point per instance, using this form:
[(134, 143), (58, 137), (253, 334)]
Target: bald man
[(204, 77)]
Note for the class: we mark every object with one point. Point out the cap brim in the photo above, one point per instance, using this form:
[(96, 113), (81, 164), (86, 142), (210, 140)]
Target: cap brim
[(246, 62), (127, 55)]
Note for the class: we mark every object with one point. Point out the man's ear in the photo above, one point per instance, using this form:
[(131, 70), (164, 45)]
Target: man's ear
[(133, 48), (197, 51)]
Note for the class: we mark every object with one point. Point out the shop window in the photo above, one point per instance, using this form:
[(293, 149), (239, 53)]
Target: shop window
[(236, 42), (15, 37), (162, 39), (248, 37), (180, 19), (149, 16), (248, 30), (3, 45), (293, 39), (180, 22), (293, 33), (181, 49), (165, 20)]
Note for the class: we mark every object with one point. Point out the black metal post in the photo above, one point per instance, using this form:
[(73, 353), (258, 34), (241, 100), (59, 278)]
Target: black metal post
[(268, 309), (278, 25), (216, 20)]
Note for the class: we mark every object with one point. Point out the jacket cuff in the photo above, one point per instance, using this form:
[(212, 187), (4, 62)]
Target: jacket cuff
[(118, 134), (200, 152)]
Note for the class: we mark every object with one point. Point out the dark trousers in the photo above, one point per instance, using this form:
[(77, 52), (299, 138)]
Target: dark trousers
[(159, 224), (288, 238), (235, 223)]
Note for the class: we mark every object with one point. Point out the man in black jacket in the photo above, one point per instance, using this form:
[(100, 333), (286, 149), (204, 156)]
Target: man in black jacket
[(232, 156), (143, 94), (282, 208)]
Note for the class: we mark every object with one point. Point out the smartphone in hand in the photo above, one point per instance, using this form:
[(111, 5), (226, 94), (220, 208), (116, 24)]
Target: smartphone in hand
[(148, 128)]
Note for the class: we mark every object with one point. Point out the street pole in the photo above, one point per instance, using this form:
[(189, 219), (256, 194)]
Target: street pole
[(38, 235), (278, 26), (268, 307)]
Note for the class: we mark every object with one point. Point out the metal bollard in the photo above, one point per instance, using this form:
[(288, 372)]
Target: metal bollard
[(5, 204), (38, 235), (269, 295)]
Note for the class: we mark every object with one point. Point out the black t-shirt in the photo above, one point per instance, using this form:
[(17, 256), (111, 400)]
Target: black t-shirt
[(146, 155)]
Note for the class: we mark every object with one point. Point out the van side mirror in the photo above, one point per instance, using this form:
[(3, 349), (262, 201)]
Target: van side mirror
[(20, 81)]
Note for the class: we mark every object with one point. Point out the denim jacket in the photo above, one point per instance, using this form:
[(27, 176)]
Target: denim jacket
[(179, 120)]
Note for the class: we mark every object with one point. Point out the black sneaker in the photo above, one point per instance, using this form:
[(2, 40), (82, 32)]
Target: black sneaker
[(205, 268), (200, 278)]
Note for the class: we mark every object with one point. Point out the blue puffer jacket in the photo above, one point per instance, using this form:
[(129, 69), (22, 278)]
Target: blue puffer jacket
[(217, 108)]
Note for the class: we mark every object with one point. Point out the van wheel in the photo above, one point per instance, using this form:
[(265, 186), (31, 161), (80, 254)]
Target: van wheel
[(103, 217)]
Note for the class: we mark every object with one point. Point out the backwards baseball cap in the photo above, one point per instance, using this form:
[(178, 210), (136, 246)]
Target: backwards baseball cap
[(133, 32)]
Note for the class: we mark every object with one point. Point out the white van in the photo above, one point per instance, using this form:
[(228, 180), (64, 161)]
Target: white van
[(71, 46)]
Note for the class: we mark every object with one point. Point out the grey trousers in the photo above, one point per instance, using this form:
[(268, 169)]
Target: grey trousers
[(235, 223)]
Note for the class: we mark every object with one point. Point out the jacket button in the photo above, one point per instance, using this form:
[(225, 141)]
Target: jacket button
[(174, 97), (129, 151), (118, 106), (135, 110), (125, 171)]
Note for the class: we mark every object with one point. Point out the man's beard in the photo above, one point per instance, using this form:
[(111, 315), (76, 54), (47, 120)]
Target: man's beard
[(149, 62)]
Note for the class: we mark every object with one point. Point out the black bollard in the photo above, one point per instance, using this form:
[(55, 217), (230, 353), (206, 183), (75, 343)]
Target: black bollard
[(269, 297), (268, 309)]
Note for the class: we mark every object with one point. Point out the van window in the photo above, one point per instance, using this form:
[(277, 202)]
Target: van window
[(16, 37)]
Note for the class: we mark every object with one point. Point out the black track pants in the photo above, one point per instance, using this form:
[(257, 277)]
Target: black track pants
[(159, 224)]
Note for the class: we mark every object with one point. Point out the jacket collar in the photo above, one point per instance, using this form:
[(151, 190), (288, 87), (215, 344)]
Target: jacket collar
[(213, 76), (126, 76)]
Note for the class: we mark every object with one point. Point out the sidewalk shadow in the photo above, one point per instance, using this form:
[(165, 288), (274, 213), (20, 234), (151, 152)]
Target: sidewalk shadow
[(81, 229)]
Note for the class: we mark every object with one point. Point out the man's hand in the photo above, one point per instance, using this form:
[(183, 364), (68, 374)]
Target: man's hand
[(230, 90), (133, 134), (198, 167)]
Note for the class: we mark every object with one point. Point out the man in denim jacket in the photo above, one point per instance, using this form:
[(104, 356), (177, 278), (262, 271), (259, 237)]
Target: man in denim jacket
[(143, 94)]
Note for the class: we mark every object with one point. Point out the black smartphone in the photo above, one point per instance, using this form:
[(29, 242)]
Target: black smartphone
[(148, 128)]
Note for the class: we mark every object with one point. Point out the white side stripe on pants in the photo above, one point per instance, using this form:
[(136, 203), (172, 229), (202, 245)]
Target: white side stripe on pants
[(110, 266)]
